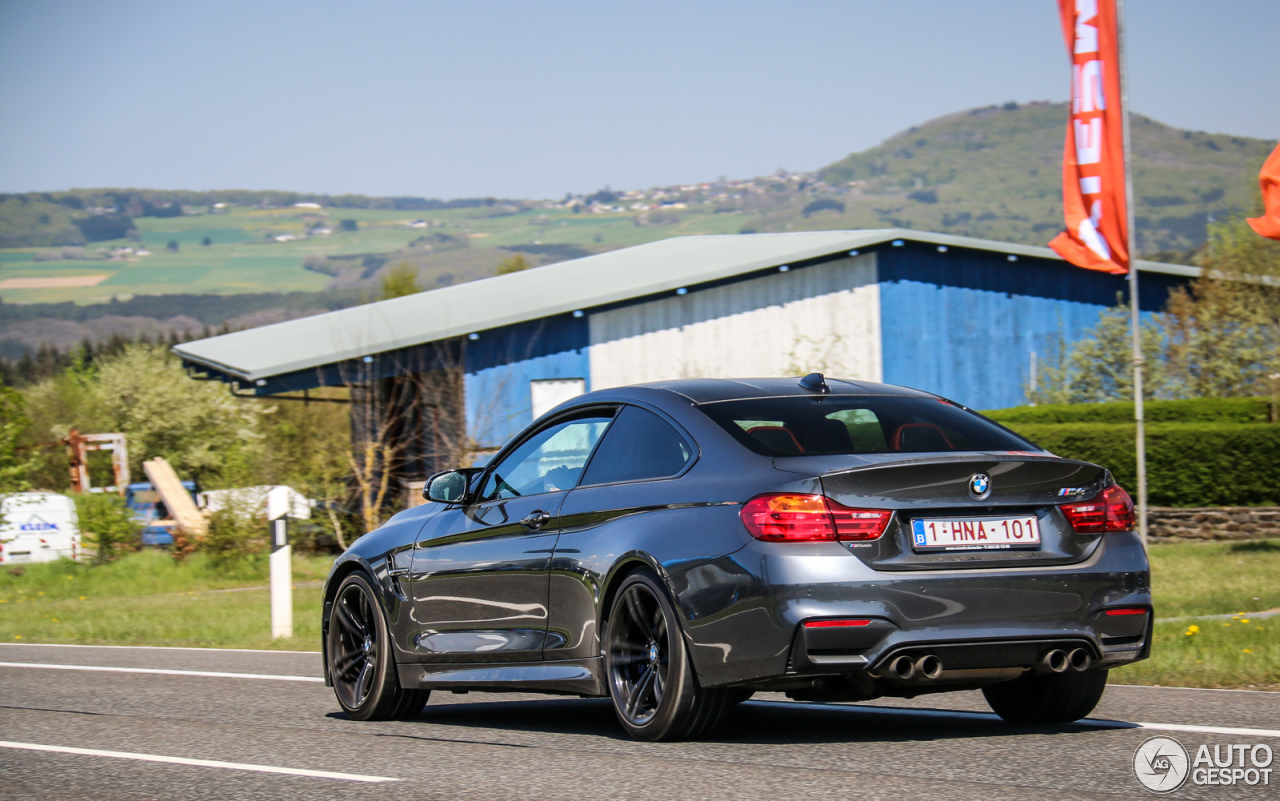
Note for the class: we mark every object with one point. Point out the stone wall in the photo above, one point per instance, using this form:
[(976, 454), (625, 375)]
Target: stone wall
[(1214, 523)]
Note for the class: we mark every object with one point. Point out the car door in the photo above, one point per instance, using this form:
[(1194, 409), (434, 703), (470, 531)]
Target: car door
[(627, 492), (478, 581)]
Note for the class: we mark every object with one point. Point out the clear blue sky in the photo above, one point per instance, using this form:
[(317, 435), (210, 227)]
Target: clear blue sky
[(522, 99)]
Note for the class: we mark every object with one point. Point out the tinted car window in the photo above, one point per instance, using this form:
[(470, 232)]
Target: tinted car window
[(639, 445), (548, 461), (849, 424)]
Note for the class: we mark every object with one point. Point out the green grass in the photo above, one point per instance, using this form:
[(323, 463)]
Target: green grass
[(148, 599), (1193, 580), (1215, 578), (1227, 654)]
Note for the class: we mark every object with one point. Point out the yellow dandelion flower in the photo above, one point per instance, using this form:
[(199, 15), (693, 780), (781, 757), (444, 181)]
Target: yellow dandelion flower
[(83, 598), (40, 593), (1246, 620), (1226, 624), (17, 636), (1262, 628), (1248, 650), (4, 600), (54, 619)]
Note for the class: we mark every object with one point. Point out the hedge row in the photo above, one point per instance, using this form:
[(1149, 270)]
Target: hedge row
[(1195, 410), (1188, 464)]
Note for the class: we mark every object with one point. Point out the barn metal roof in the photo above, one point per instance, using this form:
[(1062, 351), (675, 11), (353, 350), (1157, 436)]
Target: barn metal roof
[(620, 275)]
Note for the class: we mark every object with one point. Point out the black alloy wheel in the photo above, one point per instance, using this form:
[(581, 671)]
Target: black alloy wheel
[(361, 663), (641, 649), (652, 682)]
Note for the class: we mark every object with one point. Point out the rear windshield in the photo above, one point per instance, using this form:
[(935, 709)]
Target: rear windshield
[(845, 424)]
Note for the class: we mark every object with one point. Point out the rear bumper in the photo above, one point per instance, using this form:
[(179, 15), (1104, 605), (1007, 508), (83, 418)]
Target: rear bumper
[(744, 612), (1108, 641)]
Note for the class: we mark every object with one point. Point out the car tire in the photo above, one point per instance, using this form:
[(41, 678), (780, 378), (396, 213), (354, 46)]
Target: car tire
[(1047, 698), (651, 678), (361, 662), (738, 695)]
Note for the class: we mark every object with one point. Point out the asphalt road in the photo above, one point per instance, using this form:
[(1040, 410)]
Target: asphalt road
[(488, 746)]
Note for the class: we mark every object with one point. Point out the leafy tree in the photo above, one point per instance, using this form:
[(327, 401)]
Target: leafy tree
[(235, 532), (107, 525), (348, 225), (173, 245), (204, 431), (101, 227), (824, 204), (206, 241), (513, 264), (401, 280), (1224, 329), (1099, 367), (15, 467), (1218, 337)]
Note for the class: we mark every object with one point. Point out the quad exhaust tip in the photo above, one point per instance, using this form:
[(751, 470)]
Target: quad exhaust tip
[(1056, 661), (903, 667), (929, 667), (1080, 659)]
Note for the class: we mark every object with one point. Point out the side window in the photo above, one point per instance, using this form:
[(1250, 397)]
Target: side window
[(639, 445), (549, 461)]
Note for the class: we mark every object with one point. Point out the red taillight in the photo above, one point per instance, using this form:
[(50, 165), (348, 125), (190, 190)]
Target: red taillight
[(1127, 611), (810, 518), (831, 624), (1119, 508), (1112, 510)]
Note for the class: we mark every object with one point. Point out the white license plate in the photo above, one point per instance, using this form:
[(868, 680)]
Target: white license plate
[(975, 533)]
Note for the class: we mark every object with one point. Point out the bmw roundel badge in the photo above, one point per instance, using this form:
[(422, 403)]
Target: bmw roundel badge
[(980, 485)]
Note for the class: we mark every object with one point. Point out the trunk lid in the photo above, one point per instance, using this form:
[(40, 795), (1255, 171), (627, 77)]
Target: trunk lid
[(936, 488)]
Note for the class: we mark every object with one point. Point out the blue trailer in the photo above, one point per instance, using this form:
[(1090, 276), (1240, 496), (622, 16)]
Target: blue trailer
[(144, 501)]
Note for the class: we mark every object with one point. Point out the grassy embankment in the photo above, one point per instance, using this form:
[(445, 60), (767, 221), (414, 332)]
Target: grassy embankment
[(148, 599), (1193, 580)]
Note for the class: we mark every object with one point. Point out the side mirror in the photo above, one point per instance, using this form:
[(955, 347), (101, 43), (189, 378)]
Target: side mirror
[(447, 487)]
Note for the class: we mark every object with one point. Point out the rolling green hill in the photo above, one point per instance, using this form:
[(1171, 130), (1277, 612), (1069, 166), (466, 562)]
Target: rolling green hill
[(996, 172)]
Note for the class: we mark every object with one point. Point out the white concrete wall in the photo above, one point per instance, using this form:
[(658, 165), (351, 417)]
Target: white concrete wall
[(825, 317)]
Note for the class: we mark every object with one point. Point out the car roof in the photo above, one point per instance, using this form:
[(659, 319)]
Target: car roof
[(710, 390)]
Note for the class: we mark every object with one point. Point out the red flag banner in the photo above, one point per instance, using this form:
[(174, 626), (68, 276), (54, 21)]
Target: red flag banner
[(1093, 180), (1268, 224)]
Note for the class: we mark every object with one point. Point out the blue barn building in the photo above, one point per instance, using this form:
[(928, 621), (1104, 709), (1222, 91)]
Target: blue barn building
[(952, 315)]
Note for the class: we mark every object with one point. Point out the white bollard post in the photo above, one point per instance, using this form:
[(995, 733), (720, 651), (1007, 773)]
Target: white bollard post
[(281, 565)]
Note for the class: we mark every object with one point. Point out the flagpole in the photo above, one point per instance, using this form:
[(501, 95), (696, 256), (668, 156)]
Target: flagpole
[(1134, 318)]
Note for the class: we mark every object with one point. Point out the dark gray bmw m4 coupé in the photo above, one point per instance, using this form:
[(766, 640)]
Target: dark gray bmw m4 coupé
[(677, 546)]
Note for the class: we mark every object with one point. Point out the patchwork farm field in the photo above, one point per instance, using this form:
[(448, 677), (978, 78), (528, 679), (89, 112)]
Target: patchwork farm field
[(244, 256)]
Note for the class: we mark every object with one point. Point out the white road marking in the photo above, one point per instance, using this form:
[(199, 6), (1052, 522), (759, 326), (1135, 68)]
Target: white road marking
[(203, 763), (1093, 722), (1193, 689), (153, 648), (160, 671), (1211, 729)]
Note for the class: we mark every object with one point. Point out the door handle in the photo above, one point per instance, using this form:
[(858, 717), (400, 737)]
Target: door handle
[(536, 520)]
